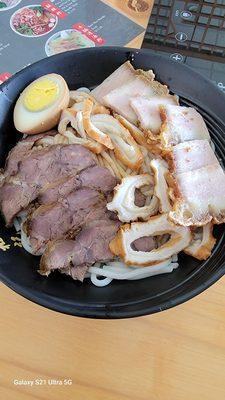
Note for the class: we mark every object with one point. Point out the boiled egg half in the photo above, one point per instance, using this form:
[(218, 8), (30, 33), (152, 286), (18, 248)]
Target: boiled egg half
[(39, 106)]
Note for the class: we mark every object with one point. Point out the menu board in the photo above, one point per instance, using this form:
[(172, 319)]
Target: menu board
[(30, 31)]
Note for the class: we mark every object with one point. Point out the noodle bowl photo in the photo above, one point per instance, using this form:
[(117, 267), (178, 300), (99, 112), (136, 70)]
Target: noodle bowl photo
[(8, 4), (33, 21), (67, 40), (114, 186)]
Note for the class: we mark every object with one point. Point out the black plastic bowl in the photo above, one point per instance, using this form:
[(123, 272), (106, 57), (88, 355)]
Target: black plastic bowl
[(121, 299)]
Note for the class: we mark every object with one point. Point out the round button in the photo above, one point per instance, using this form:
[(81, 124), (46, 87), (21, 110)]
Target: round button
[(181, 36), (186, 14), (177, 57), (221, 85)]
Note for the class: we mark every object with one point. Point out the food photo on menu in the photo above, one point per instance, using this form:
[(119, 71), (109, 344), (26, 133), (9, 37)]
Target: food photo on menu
[(55, 27), (69, 39), (112, 184), (33, 21)]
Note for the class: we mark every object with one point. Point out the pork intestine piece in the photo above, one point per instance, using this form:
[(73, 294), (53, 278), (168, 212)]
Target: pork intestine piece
[(203, 242), (124, 199), (180, 237), (108, 131), (161, 189)]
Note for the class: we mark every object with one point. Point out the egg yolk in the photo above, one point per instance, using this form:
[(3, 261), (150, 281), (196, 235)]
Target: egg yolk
[(41, 95)]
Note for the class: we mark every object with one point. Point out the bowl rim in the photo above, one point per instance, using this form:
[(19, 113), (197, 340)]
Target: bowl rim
[(105, 311)]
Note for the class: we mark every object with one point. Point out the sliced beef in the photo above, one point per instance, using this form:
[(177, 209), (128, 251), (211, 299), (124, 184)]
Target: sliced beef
[(96, 177), (57, 220), (58, 189), (24, 148), (39, 170), (74, 256), (55, 162), (17, 153), (77, 273), (15, 198)]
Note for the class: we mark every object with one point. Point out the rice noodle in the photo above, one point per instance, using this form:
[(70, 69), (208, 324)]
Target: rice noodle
[(17, 224), (84, 90), (19, 219), (146, 168), (80, 126), (111, 162), (119, 271), (175, 258), (100, 160), (95, 157), (100, 282), (122, 171)]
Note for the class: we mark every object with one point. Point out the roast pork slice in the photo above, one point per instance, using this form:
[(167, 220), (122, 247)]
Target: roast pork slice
[(74, 256), (199, 196), (99, 178), (181, 124), (148, 112), (37, 171), (55, 221), (189, 156), (119, 99), (54, 163), (121, 75)]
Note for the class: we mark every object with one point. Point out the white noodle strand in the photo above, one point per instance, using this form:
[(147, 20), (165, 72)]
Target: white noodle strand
[(119, 271), (84, 90)]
